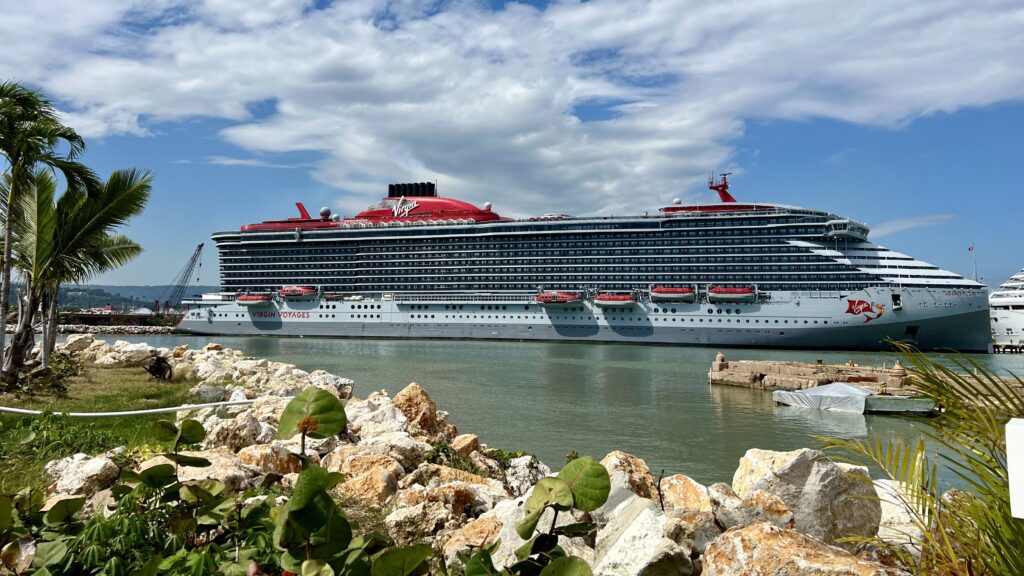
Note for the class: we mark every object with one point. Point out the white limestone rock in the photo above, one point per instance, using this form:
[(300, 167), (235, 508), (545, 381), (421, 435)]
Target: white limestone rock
[(523, 473), (897, 525), (81, 474), (233, 433), (375, 416), (341, 387), (401, 446), (633, 543), (225, 467), (829, 501), (77, 343), (765, 549)]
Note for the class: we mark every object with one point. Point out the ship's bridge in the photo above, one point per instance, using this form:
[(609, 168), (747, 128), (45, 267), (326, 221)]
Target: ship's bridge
[(846, 229)]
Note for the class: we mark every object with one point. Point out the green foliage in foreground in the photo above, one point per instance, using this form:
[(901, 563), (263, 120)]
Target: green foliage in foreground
[(90, 390), (969, 533), (165, 525)]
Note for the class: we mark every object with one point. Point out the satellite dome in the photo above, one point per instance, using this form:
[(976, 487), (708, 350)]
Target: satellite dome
[(677, 201), (336, 217), (325, 212), (487, 205)]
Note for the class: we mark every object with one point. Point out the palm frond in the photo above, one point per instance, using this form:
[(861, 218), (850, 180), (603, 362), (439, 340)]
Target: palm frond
[(967, 532)]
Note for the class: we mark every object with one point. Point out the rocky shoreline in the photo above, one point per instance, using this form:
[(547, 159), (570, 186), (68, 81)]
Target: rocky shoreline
[(406, 464), (115, 330)]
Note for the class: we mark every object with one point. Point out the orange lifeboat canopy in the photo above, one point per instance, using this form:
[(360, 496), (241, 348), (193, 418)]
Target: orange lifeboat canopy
[(558, 299), (673, 294), (732, 294), (606, 300), (298, 291)]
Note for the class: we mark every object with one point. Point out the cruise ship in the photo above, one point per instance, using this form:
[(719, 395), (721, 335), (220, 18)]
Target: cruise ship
[(416, 265), (1007, 307)]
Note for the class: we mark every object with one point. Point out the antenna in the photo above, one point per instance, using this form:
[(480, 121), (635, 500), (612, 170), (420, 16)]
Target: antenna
[(722, 187)]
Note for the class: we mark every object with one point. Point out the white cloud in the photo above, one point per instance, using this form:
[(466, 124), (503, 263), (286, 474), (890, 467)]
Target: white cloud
[(483, 101), (891, 227), (249, 162)]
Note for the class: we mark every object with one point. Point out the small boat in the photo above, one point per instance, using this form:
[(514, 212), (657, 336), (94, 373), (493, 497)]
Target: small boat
[(614, 300), (297, 292), (554, 299), (732, 294), (673, 294), (254, 299)]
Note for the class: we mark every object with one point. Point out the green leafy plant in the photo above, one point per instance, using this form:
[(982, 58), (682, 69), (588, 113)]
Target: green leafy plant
[(53, 436), (968, 532), (441, 452), (582, 485)]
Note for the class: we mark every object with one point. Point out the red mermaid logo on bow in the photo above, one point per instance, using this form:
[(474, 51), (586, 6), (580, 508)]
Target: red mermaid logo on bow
[(864, 308)]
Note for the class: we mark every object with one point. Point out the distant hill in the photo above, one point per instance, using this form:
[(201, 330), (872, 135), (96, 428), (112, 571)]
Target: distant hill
[(147, 293)]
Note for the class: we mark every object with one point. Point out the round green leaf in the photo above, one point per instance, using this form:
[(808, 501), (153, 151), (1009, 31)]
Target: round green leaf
[(157, 476), (62, 510), (588, 480), (49, 553), (316, 568), (191, 432), (165, 431), (24, 436), (567, 566), (186, 460), (548, 492), (401, 561), (317, 412)]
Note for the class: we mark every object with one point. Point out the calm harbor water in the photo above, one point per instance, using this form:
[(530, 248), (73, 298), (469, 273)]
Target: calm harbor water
[(549, 398)]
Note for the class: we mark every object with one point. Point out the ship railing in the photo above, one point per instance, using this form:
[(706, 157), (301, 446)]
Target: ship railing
[(443, 298)]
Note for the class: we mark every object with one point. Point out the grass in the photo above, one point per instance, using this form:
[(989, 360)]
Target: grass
[(95, 390)]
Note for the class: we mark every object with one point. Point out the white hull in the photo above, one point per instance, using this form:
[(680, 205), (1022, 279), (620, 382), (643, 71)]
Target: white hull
[(931, 318)]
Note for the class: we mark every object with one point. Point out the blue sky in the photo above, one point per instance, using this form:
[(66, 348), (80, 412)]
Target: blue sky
[(904, 115)]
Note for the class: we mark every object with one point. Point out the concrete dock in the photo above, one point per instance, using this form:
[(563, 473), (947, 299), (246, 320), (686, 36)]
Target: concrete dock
[(784, 375)]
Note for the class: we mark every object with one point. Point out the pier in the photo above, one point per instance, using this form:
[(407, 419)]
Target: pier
[(787, 375)]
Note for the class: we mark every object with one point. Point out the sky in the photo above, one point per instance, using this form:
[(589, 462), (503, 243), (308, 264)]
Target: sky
[(906, 115)]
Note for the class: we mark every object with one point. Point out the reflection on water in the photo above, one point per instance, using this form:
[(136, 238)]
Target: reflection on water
[(549, 398), (838, 424)]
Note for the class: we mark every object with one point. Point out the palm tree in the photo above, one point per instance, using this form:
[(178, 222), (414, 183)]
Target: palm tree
[(30, 135), (960, 532), (66, 239)]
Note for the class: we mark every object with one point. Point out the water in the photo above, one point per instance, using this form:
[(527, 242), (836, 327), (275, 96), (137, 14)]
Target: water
[(549, 398)]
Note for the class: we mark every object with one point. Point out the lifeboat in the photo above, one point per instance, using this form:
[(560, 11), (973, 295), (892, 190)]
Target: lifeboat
[(254, 299), (673, 294), (554, 299), (614, 300), (732, 294), (297, 292)]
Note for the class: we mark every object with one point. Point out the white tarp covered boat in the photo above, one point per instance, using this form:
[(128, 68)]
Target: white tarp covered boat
[(837, 397)]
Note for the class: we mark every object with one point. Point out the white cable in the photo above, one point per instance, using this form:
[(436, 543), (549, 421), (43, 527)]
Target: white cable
[(134, 412)]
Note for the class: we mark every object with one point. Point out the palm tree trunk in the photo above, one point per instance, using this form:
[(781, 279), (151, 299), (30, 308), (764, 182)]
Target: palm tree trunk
[(50, 326), (5, 280), (23, 338)]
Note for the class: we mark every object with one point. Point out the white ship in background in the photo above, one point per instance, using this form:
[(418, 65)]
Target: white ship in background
[(416, 265), (1007, 309)]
